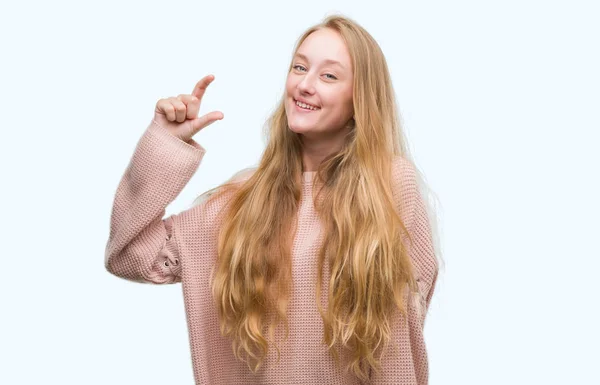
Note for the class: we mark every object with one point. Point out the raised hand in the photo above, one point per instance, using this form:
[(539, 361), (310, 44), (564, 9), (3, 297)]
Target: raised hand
[(179, 114)]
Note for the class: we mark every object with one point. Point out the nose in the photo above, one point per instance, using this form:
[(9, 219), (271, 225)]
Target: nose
[(307, 86)]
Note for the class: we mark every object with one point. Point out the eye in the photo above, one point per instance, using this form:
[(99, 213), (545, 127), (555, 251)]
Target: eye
[(298, 65), (332, 76)]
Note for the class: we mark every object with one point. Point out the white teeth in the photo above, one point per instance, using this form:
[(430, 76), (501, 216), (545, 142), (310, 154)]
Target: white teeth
[(304, 105)]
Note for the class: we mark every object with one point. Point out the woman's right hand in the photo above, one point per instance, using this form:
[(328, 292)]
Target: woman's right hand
[(179, 115)]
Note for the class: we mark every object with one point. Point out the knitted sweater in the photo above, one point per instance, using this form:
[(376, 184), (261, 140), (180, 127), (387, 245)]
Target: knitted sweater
[(182, 248)]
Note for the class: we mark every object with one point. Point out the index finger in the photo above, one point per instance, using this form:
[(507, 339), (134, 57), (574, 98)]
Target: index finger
[(201, 86)]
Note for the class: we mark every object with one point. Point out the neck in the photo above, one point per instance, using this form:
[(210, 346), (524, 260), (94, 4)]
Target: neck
[(314, 150)]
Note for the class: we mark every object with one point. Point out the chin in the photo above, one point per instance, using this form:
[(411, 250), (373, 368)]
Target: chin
[(299, 129)]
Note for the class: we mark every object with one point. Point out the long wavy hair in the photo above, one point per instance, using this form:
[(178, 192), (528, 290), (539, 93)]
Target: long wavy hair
[(370, 270)]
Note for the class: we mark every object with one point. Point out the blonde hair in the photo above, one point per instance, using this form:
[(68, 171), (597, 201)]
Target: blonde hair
[(370, 270)]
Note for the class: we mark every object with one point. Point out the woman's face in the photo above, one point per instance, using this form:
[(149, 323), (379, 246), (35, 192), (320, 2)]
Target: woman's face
[(321, 77)]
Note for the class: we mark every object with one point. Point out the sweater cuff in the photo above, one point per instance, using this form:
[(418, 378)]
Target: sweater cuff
[(191, 144)]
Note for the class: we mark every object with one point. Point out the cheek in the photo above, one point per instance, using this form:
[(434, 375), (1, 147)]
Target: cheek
[(289, 92), (350, 106), (348, 97), (348, 103), (290, 85), (341, 106), (339, 99)]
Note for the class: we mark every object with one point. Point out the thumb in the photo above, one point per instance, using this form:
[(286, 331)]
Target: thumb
[(205, 120)]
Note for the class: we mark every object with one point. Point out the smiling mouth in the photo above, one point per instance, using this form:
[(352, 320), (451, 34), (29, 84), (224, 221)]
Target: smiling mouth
[(305, 106)]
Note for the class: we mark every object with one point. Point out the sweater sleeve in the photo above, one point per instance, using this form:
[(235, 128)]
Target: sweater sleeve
[(421, 249), (142, 245), (422, 252), (405, 361)]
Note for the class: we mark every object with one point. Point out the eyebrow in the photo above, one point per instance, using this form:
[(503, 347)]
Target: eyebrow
[(328, 61)]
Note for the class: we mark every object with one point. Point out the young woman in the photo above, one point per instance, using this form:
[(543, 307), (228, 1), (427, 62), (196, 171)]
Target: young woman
[(324, 252)]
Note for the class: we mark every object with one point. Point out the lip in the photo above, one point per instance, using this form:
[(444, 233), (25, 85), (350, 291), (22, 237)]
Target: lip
[(303, 109)]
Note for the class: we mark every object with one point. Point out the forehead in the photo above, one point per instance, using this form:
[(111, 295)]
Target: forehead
[(325, 46)]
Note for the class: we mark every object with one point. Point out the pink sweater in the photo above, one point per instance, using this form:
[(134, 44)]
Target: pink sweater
[(144, 247)]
